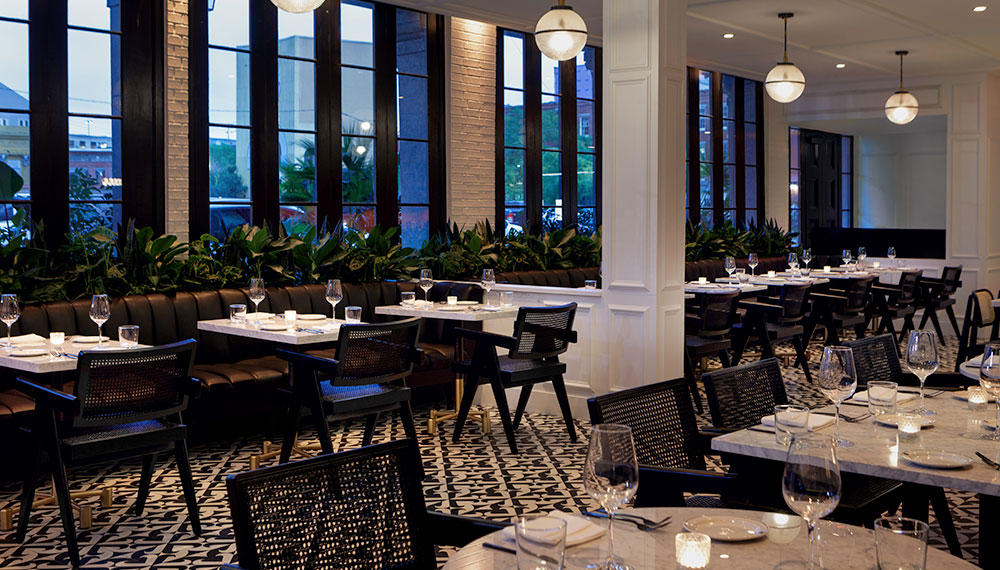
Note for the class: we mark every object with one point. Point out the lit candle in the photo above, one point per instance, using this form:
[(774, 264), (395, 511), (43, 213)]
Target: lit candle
[(770, 273), (703, 281), (452, 299), (977, 399), (783, 528), (693, 549), (826, 269), (289, 318), (876, 264), (909, 427)]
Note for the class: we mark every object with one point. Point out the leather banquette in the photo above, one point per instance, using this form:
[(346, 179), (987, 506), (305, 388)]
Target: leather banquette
[(552, 277)]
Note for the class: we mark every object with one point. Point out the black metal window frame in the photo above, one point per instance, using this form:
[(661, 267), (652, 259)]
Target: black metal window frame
[(694, 161), (845, 145), (264, 176), (533, 148)]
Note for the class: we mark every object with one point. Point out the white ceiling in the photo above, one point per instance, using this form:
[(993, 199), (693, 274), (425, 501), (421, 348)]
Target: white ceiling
[(943, 36)]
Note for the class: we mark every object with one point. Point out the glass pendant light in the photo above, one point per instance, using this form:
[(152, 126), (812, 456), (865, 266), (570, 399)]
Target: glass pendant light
[(298, 6), (561, 33), (785, 82), (901, 107)]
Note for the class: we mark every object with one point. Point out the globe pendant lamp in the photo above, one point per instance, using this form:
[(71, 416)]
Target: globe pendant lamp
[(785, 82), (901, 107), (298, 6), (561, 33)]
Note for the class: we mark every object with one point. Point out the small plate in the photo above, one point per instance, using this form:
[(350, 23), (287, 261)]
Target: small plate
[(28, 352), (893, 420), (964, 396), (311, 317), (936, 459), (450, 308), (274, 327), (90, 339), (726, 528), (468, 303)]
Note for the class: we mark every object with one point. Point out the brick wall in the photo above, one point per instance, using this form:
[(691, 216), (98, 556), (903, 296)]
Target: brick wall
[(471, 126), (177, 118)]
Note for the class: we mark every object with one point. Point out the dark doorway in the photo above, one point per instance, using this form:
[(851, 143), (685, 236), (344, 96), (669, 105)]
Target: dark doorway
[(819, 181)]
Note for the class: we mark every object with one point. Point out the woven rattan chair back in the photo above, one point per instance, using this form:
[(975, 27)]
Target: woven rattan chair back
[(740, 396), (717, 313), (542, 332), (793, 302), (125, 386), (982, 308), (375, 354), (662, 419), (856, 292), (358, 509), (951, 276), (908, 284), (876, 358)]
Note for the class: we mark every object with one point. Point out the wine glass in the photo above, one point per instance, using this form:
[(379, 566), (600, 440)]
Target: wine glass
[(100, 312), (807, 256), (257, 295), (730, 265), (811, 482), (793, 260), (752, 262), (922, 359), (334, 294), (838, 380), (846, 256), (9, 313), (426, 282), (611, 476), (892, 253), (489, 280), (862, 254), (989, 379)]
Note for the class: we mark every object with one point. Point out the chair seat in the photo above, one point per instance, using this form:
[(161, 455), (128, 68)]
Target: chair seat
[(14, 406), (517, 370), (365, 396), (700, 346), (897, 311), (940, 303), (93, 442), (845, 320)]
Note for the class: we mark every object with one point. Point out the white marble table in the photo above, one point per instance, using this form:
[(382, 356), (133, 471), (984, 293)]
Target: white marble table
[(846, 548), (995, 302), (46, 364), (295, 336), (469, 313), (722, 287)]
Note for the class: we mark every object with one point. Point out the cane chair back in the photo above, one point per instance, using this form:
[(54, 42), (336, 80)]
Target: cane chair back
[(982, 308), (794, 302), (662, 419), (376, 354), (717, 313), (856, 293), (543, 332), (951, 276), (876, 358), (126, 386), (738, 397), (909, 281), (358, 509)]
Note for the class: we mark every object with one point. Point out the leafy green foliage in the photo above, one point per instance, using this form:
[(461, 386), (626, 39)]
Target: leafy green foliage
[(766, 240)]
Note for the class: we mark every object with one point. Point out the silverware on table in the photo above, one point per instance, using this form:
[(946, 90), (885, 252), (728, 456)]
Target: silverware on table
[(988, 461), (761, 429), (640, 523)]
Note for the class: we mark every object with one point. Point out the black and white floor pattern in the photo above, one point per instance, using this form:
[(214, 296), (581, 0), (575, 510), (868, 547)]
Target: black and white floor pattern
[(478, 476)]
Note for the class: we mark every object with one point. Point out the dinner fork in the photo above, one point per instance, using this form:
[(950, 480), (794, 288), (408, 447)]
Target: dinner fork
[(641, 523)]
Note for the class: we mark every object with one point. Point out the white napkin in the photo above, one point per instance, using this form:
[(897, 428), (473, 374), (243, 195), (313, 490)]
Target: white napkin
[(862, 397), (27, 339), (578, 529), (816, 421)]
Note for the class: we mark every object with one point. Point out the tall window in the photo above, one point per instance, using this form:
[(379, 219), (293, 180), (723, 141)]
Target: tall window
[(725, 171), (15, 135), (344, 105), (548, 138)]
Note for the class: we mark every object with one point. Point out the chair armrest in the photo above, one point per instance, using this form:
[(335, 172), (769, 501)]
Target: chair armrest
[(458, 530), (192, 388), (326, 365), (664, 486), (52, 398), (494, 339)]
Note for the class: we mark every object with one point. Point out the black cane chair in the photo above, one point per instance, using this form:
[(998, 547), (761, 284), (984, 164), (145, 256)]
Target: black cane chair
[(358, 509), (126, 403), (541, 334), (783, 318), (939, 294), (896, 302), (738, 398), (365, 380), (668, 445), (979, 313), (837, 310), (706, 333)]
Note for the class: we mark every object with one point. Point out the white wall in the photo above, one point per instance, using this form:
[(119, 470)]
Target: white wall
[(900, 180)]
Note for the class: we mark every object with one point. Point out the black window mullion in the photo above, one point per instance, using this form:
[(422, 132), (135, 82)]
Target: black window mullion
[(198, 174), (598, 132), (717, 166), (386, 179), (436, 155), (740, 161), (568, 133), (264, 112), (329, 179), (532, 137), (500, 165), (759, 107), (694, 149)]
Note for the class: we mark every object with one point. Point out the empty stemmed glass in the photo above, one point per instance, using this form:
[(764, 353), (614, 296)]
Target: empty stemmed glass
[(334, 294), (730, 266), (862, 256), (811, 482), (611, 477), (752, 262), (793, 261), (10, 311), (838, 380), (846, 256), (489, 280), (426, 282), (989, 379), (891, 255), (807, 256), (100, 312), (922, 359), (257, 295)]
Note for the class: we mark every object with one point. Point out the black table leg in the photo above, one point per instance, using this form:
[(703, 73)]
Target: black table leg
[(989, 526)]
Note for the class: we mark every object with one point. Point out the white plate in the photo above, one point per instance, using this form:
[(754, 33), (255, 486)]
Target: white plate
[(258, 316), (936, 459), (311, 317), (964, 396), (90, 339), (450, 308), (274, 327), (468, 302), (893, 419), (27, 352), (726, 528)]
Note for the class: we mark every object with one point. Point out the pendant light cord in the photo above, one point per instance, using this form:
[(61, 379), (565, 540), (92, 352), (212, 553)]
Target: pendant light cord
[(901, 71), (785, 18)]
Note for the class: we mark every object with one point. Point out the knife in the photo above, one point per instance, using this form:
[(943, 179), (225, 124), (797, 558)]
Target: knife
[(988, 461)]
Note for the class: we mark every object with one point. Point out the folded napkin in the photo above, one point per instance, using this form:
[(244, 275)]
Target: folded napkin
[(578, 529), (27, 339), (816, 421), (862, 397)]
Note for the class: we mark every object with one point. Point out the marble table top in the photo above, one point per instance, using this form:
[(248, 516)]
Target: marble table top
[(876, 450), (995, 302), (469, 313), (843, 547), (294, 337), (695, 287), (46, 364)]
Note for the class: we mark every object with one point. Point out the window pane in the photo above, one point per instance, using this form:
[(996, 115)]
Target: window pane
[(793, 222), (229, 23), (415, 225), (513, 60), (585, 63), (228, 164), (92, 14), (94, 77), (411, 42), (15, 9), (750, 100), (15, 148), (728, 97), (413, 175), (358, 162), (228, 87), (95, 158), (550, 122), (224, 217), (13, 64), (793, 189), (707, 218), (513, 118), (845, 219), (552, 178), (704, 93), (751, 187), (705, 139), (729, 142), (705, 191), (586, 221), (551, 219), (550, 76), (356, 33), (729, 187), (295, 34), (513, 176), (411, 107), (586, 126), (586, 190), (750, 144), (358, 100), (793, 148), (514, 218), (845, 192), (846, 159), (751, 217), (296, 94), (297, 177), (86, 216), (360, 218), (297, 219)]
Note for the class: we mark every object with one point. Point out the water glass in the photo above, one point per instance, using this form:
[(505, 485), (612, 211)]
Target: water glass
[(506, 298), (611, 475), (901, 543), (741, 276), (238, 314), (290, 317), (56, 340), (590, 284), (882, 397), (353, 315), (541, 543), (492, 299), (805, 271), (128, 336), (790, 421), (407, 297)]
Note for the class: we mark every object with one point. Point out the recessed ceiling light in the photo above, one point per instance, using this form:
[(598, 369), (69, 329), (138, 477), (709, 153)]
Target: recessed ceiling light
[(728, 36), (979, 9), (841, 65)]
